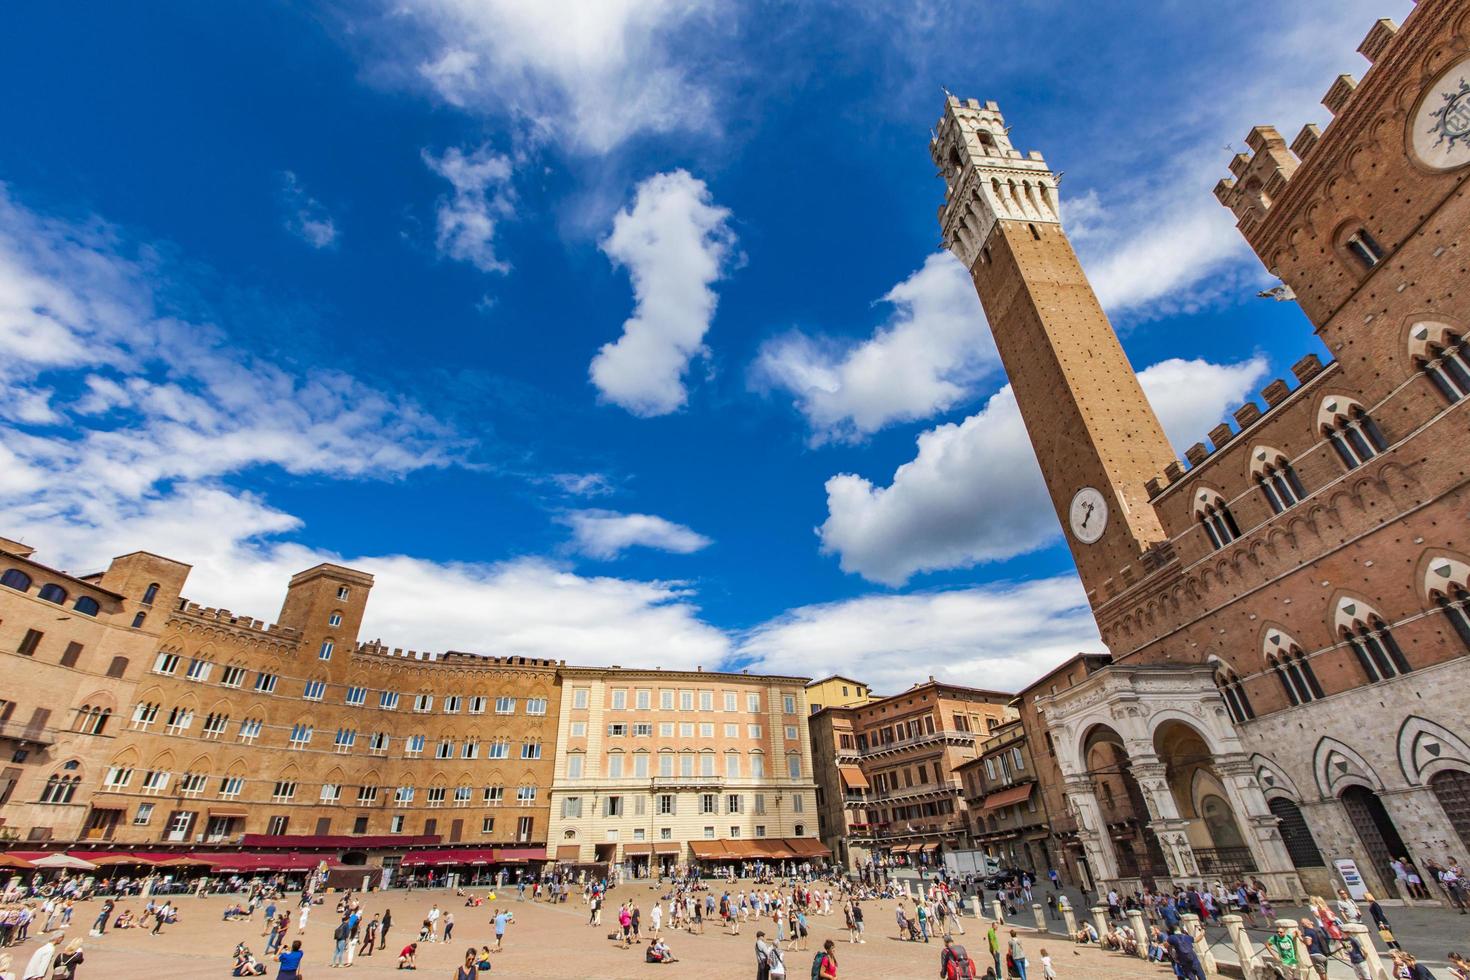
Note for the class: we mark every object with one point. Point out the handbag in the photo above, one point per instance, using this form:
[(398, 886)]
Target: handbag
[(1385, 933)]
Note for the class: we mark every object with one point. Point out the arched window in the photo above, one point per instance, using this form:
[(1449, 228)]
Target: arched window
[(1442, 355), (1447, 582), (86, 605), (1363, 247), (150, 593), (1351, 431), (59, 788), (1371, 641), (138, 620), (1277, 478), (16, 579), (1233, 691), (1214, 515), (92, 720), (52, 592), (1456, 609)]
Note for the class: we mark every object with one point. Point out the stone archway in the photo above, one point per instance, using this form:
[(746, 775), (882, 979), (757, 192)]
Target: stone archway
[(1125, 817), (1375, 829), (1451, 787), (1169, 723)]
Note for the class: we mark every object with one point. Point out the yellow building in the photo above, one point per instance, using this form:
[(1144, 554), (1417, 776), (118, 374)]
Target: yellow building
[(655, 768), (836, 692)]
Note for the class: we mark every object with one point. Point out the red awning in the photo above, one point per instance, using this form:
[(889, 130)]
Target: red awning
[(251, 863), (807, 847), (338, 841), (1006, 797), (709, 850), (569, 853), (516, 855), (463, 855), (633, 850), (852, 777), (668, 847)]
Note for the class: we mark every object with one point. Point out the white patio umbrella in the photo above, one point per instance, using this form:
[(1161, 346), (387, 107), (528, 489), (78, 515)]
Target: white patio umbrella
[(63, 861)]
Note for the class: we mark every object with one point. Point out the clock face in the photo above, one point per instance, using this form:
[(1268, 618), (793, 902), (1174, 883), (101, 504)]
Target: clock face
[(1088, 515), (1439, 133)]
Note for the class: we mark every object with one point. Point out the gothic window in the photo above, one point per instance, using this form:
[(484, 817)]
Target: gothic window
[(86, 605), (1214, 515), (1294, 671), (52, 593), (1351, 431), (1371, 641), (150, 594), (1447, 582), (1277, 478), (1443, 357), (1233, 691)]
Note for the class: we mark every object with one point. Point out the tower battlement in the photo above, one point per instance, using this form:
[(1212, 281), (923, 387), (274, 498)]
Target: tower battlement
[(1260, 178), (986, 179)]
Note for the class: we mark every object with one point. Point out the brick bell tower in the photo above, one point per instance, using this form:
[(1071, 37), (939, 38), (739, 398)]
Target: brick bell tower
[(1094, 432)]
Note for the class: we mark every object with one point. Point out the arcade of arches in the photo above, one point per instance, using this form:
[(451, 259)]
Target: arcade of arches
[(1161, 787), (1166, 788)]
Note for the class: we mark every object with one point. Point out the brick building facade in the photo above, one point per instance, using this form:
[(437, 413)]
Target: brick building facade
[(153, 720), (1287, 614), (886, 770)]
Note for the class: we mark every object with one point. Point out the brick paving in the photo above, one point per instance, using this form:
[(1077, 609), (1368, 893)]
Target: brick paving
[(544, 942)]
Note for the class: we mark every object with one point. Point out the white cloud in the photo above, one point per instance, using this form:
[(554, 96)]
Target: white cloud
[(583, 484), (1158, 242), (306, 217), (592, 72), (607, 534), (925, 360), (467, 219), (973, 493), (168, 411), (998, 636), (675, 243)]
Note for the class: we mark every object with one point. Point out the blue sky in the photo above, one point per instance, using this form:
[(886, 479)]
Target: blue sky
[(610, 331)]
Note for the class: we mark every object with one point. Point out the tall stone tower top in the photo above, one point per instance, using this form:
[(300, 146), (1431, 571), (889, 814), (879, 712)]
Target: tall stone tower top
[(986, 179), (1095, 435)]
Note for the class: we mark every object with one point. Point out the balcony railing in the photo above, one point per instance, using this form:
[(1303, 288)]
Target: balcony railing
[(898, 745), (23, 732)]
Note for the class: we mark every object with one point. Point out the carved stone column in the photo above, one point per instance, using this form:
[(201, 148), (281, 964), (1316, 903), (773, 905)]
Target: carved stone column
[(1163, 813), (1092, 831), (1259, 826)]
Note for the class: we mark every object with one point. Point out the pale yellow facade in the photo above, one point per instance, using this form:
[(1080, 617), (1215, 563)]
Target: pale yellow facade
[(649, 762), (837, 692)]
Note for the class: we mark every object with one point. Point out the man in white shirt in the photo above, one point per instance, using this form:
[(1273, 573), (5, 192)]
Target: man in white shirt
[(39, 967)]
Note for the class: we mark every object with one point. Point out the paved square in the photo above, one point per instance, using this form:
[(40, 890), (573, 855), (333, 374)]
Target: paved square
[(545, 941)]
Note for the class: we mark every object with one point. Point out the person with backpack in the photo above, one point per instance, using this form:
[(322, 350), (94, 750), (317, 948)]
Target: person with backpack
[(955, 962), (824, 964), (339, 936)]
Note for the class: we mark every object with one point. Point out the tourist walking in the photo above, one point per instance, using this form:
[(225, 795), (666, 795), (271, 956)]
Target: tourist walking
[(825, 965), (955, 962), (383, 932), (339, 938), (1380, 921), (1017, 954), (65, 967), (502, 919)]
